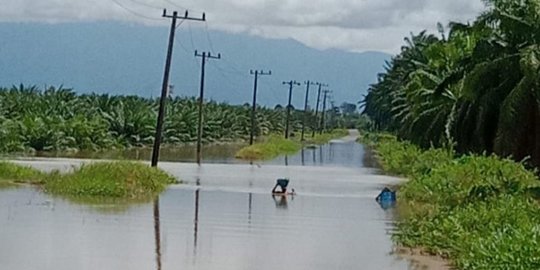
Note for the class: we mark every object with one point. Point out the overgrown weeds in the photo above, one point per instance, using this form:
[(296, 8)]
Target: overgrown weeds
[(117, 179), (477, 210), (273, 146), (125, 180)]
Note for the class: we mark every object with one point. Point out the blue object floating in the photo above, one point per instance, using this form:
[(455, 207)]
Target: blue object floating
[(386, 199)]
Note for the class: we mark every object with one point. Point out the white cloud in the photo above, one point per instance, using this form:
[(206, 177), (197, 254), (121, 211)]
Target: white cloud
[(354, 25)]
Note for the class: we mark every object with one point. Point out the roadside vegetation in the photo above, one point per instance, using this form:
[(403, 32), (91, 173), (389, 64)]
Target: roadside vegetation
[(13, 173), (275, 145), (475, 85), (269, 148), (121, 180), (465, 106), (479, 211)]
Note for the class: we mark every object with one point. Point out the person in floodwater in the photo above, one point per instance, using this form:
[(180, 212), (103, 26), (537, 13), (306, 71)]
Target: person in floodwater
[(282, 184)]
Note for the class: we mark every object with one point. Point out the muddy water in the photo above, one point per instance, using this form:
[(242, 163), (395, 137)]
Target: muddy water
[(222, 217)]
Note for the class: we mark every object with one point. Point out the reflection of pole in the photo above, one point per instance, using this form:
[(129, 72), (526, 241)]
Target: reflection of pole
[(286, 160), (157, 234), (303, 158), (320, 155), (249, 207), (314, 157), (196, 222)]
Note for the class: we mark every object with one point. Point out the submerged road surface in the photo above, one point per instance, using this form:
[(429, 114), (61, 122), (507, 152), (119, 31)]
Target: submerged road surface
[(222, 218)]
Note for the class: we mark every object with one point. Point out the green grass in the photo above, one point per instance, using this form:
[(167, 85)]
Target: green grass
[(14, 173), (104, 180), (129, 180), (271, 147), (478, 211), (275, 145), (326, 137)]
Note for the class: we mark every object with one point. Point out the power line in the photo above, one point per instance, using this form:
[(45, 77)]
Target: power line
[(208, 36), (146, 4), (135, 13)]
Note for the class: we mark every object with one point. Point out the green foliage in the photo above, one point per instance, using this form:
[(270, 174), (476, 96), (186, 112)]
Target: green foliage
[(477, 88), (10, 172), (477, 210), (128, 180), (271, 147), (59, 120), (325, 137)]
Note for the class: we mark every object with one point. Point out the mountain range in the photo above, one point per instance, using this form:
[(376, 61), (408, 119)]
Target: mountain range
[(123, 58)]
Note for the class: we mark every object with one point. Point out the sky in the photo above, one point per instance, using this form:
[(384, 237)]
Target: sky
[(350, 25)]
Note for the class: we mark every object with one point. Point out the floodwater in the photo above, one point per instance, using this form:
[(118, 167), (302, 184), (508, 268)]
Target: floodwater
[(212, 153), (223, 217)]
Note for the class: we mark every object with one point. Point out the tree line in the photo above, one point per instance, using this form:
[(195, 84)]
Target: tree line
[(474, 86), (58, 119)]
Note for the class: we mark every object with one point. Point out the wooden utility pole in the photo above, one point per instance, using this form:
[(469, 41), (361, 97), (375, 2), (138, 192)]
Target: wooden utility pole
[(203, 56), (316, 127), (308, 83), (323, 111), (164, 86), (257, 73), (291, 84)]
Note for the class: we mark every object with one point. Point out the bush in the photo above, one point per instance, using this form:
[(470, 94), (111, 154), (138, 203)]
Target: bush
[(117, 179), (11, 172), (479, 211)]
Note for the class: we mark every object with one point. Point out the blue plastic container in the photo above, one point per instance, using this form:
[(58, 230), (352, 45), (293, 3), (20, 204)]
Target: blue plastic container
[(388, 196)]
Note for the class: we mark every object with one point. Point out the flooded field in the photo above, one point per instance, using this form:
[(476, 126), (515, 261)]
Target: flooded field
[(222, 217)]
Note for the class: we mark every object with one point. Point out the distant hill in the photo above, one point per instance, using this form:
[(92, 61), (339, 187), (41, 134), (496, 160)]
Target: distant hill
[(120, 58)]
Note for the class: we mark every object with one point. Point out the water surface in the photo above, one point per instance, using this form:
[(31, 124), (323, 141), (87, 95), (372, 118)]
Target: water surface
[(222, 217)]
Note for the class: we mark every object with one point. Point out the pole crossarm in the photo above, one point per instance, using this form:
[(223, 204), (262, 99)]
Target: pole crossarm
[(184, 17), (207, 55)]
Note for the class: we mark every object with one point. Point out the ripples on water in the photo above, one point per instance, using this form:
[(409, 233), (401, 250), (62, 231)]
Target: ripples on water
[(223, 218)]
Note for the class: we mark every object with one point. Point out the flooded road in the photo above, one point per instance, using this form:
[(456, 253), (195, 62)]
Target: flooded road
[(223, 217)]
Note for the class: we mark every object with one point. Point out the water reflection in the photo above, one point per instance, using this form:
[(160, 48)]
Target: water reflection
[(335, 154), (223, 153), (333, 220), (157, 233), (280, 201)]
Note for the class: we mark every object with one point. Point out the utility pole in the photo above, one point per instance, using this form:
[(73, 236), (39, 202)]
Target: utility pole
[(203, 56), (291, 84), (307, 83), (316, 127), (323, 111), (164, 86), (257, 73)]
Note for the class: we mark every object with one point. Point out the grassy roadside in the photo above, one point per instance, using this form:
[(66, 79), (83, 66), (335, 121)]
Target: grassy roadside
[(481, 212), (125, 180), (276, 145), (271, 147)]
